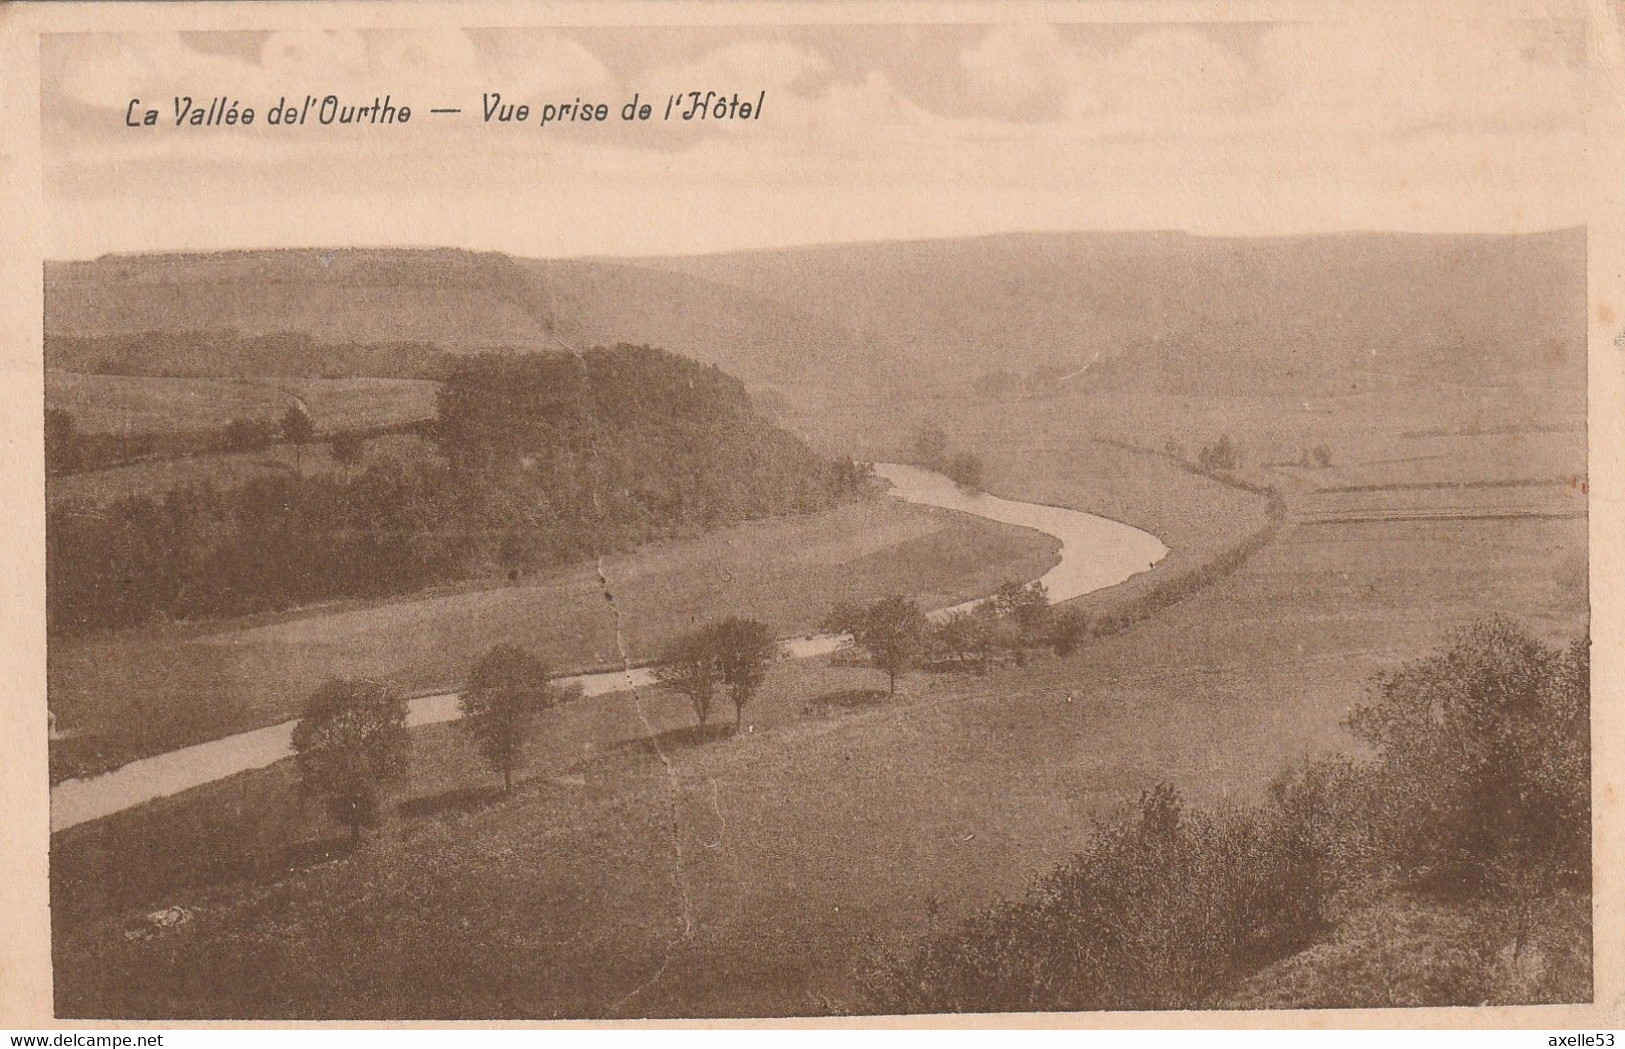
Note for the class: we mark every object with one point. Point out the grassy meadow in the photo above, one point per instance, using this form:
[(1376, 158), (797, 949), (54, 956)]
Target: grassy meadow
[(144, 403), (230, 469)]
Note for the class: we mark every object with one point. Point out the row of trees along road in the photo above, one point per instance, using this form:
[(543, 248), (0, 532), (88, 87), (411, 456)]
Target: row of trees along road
[(352, 739), (732, 652), (896, 636)]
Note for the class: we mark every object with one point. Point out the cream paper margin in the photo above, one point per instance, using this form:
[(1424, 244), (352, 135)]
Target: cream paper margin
[(25, 955)]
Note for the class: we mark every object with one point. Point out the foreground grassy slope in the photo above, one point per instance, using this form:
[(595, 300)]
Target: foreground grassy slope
[(796, 845), (141, 692)]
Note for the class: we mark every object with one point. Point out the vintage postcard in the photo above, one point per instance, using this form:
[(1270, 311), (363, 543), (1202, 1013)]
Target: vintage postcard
[(787, 512)]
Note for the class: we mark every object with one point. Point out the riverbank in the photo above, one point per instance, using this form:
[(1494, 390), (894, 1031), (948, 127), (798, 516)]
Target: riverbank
[(129, 696), (1094, 554)]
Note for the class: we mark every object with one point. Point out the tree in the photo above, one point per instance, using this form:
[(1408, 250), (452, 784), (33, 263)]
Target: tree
[(1027, 605), (506, 692), (688, 666), (955, 635), (296, 425), (966, 471), (350, 741), (1221, 456), (297, 429), (744, 649), (930, 446), (892, 632)]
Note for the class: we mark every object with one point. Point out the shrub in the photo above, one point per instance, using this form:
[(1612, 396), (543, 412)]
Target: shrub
[(1068, 629), (1480, 783), (1155, 912), (1484, 758), (1219, 457), (965, 470)]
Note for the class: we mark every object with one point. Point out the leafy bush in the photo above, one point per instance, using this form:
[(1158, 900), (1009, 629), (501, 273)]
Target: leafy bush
[(1157, 911), (1069, 627), (1484, 761), (1479, 785)]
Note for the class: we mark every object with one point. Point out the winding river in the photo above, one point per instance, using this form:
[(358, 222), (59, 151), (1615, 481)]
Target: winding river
[(1095, 553)]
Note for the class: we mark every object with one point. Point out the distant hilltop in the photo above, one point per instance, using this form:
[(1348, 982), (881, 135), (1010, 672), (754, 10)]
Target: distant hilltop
[(1166, 310)]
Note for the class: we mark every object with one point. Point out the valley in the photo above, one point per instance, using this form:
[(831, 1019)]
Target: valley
[(1338, 485)]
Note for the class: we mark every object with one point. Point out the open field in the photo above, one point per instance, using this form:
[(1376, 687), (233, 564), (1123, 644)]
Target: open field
[(229, 469), (141, 403), (139, 693), (769, 861)]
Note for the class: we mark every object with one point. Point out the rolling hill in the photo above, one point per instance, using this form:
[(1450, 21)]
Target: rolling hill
[(456, 301), (1178, 312), (1123, 311)]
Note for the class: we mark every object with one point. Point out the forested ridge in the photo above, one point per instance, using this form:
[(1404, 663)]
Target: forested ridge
[(539, 459)]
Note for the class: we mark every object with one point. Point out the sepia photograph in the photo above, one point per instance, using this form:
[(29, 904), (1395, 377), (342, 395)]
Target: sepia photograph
[(804, 515)]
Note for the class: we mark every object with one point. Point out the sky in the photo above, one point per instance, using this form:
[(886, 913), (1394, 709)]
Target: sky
[(869, 132)]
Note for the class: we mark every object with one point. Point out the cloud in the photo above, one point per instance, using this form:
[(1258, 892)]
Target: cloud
[(746, 66), (1021, 65), (1255, 128), (430, 66), (1387, 76), (1178, 70)]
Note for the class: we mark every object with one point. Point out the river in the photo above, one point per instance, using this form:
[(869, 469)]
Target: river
[(1095, 553)]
